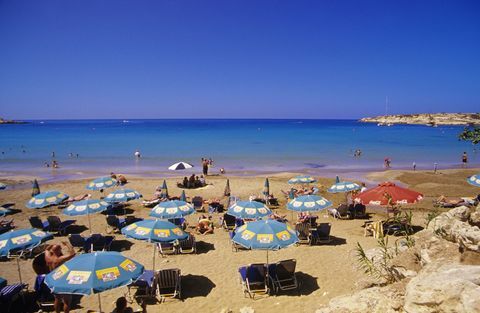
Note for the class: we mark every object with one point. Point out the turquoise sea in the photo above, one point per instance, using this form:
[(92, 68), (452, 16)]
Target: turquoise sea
[(240, 146)]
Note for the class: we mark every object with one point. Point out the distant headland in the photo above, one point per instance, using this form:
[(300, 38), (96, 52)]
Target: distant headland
[(4, 121), (429, 119)]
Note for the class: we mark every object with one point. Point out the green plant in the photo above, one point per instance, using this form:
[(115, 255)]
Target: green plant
[(471, 134), (378, 267), (430, 216)]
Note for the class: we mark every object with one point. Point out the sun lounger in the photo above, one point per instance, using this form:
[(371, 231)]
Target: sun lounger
[(342, 211), (254, 280), (282, 275), (168, 284), (303, 230), (6, 225), (165, 248), (198, 204), (320, 234), (36, 222), (10, 294), (229, 222), (58, 226), (143, 287), (180, 222), (187, 246), (43, 295), (98, 242), (151, 203), (77, 241), (235, 246)]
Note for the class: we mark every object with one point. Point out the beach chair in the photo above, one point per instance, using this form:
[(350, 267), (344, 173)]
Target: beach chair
[(143, 287), (359, 211), (254, 280), (235, 246), (198, 204), (151, 203), (6, 225), (321, 234), (303, 231), (36, 222), (229, 222), (10, 294), (168, 284), (180, 222), (282, 275), (77, 241), (43, 295), (114, 223), (187, 246), (58, 226), (342, 211), (167, 248), (98, 242)]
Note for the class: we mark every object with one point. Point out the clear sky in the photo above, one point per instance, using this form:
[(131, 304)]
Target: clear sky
[(237, 58)]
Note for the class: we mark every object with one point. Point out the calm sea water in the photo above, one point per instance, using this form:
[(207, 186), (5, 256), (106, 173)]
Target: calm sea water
[(316, 146)]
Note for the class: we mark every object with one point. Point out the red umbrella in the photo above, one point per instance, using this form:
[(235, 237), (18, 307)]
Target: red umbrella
[(388, 194)]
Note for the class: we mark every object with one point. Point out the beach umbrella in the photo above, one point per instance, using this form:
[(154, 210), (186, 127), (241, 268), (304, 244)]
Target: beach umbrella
[(302, 179), (164, 190), (87, 207), (4, 211), (45, 199), (265, 235), (95, 272), (154, 231), (3, 186), (102, 183), (21, 239), (180, 166), (266, 188), (474, 180), (343, 186), (122, 195), (388, 193), (249, 210), (183, 196), (172, 209), (310, 203), (227, 191), (35, 188)]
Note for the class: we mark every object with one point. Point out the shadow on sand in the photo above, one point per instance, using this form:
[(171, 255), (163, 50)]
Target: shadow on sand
[(196, 286)]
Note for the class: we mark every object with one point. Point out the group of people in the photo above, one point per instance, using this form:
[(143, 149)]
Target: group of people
[(193, 182)]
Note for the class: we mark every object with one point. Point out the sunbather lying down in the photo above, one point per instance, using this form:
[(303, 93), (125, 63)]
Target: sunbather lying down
[(454, 201), (204, 226), (78, 198)]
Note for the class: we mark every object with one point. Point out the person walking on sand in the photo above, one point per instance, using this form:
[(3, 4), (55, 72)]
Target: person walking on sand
[(414, 165), (54, 257), (464, 159), (205, 167)]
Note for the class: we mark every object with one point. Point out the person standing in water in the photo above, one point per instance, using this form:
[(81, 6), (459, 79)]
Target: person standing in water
[(464, 159)]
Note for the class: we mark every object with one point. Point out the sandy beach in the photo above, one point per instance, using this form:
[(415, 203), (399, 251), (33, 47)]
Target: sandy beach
[(209, 278)]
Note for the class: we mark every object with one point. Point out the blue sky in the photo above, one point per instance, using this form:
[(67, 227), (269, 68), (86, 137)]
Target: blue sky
[(237, 59)]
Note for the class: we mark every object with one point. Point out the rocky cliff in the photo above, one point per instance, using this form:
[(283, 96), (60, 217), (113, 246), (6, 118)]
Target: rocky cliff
[(426, 119), (4, 121)]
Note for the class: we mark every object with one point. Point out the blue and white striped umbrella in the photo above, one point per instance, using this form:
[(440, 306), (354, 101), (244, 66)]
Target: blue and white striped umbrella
[(95, 272), (102, 183), (265, 235), (310, 203), (343, 186), (474, 180), (86, 207), (45, 199), (302, 179), (3, 186), (122, 195), (172, 209), (249, 210), (154, 231), (21, 239)]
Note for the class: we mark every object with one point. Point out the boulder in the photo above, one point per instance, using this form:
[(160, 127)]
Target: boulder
[(447, 288), (372, 300)]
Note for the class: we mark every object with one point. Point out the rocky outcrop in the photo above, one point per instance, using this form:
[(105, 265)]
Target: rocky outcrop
[(449, 288), (441, 272), (3, 121), (426, 119), (455, 226)]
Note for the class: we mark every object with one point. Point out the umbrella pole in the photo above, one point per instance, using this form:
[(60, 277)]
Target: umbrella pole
[(19, 272), (154, 252), (99, 303), (89, 223)]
